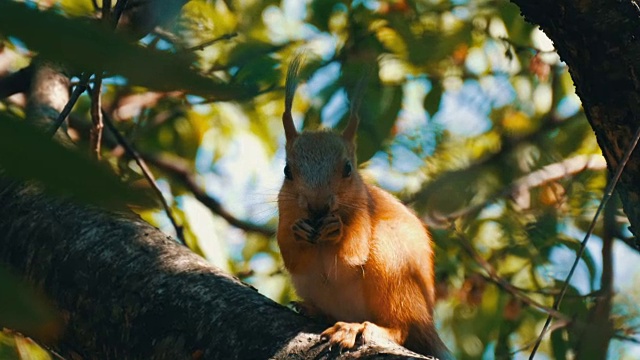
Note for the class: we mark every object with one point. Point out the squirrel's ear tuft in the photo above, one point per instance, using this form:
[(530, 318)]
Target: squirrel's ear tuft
[(349, 133), (290, 90)]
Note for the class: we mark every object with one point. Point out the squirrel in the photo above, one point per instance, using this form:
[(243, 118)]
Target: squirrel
[(355, 254)]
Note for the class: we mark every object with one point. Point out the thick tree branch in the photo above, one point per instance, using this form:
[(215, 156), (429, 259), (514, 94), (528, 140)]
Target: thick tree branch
[(16, 82), (48, 96), (127, 291)]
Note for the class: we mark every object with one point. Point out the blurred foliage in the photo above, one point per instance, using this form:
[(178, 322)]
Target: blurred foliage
[(16, 347), (55, 163), (463, 99), (25, 310)]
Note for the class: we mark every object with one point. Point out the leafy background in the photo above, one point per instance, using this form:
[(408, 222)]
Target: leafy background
[(466, 108)]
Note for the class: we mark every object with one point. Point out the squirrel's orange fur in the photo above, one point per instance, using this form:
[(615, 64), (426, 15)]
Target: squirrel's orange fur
[(356, 255)]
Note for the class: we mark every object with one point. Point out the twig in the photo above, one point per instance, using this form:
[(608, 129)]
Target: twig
[(96, 116), (631, 241), (147, 174), (530, 343), (212, 41), (106, 11), (243, 62), (632, 339), (96, 96), (117, 12), (182, 173), (84, 78), (162, 34), (520, 48), (252, 94), (498, 280), (607, 195), (82, 86), (551, 292)]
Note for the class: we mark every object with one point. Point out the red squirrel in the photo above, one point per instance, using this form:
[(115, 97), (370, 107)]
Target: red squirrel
[(355, 254)]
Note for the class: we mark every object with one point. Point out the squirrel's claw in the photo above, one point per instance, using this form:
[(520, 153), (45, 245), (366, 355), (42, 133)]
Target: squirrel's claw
[(330, 229), (302, 230), (346, 335)]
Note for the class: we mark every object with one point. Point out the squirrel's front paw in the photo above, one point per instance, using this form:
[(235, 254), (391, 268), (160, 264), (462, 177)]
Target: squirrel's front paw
[(327, 229), (303, 230), (330, 228), (346, 335)]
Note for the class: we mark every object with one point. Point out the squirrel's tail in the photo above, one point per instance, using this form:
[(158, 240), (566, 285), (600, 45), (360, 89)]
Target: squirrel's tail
[(427, 342)]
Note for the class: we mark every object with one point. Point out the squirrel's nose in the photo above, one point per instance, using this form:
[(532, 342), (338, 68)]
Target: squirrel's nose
[(318, 211)]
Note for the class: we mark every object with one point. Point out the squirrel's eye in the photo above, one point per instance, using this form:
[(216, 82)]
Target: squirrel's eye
[(287, 172), (346, 172)]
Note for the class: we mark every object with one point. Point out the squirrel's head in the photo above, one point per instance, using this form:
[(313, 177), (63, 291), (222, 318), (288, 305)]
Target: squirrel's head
[(320, 172)]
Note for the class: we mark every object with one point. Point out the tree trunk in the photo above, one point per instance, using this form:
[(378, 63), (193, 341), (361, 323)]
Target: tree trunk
[(600, 42), (127, 291)]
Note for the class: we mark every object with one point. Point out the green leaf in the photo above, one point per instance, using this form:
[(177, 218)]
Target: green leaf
[(430, 46), (377, 119), (178, 133), (77, 7), (28, 154), (321, 12), (88, 47), (432, 100), (559, 345), (456, 190), (23, 309)]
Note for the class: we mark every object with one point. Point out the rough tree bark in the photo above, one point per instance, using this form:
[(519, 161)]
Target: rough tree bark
[(600, 42)]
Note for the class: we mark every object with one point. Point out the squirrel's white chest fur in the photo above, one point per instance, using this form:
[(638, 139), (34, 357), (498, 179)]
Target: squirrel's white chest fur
[(334, 287)]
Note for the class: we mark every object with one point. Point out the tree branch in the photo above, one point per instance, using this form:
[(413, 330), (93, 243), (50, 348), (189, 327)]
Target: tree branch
[(146, 172), (519, 190), (203, 45), (16, 82), (96, 116), (77, 91), (505, 285), (48, 96), (182, 173)]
